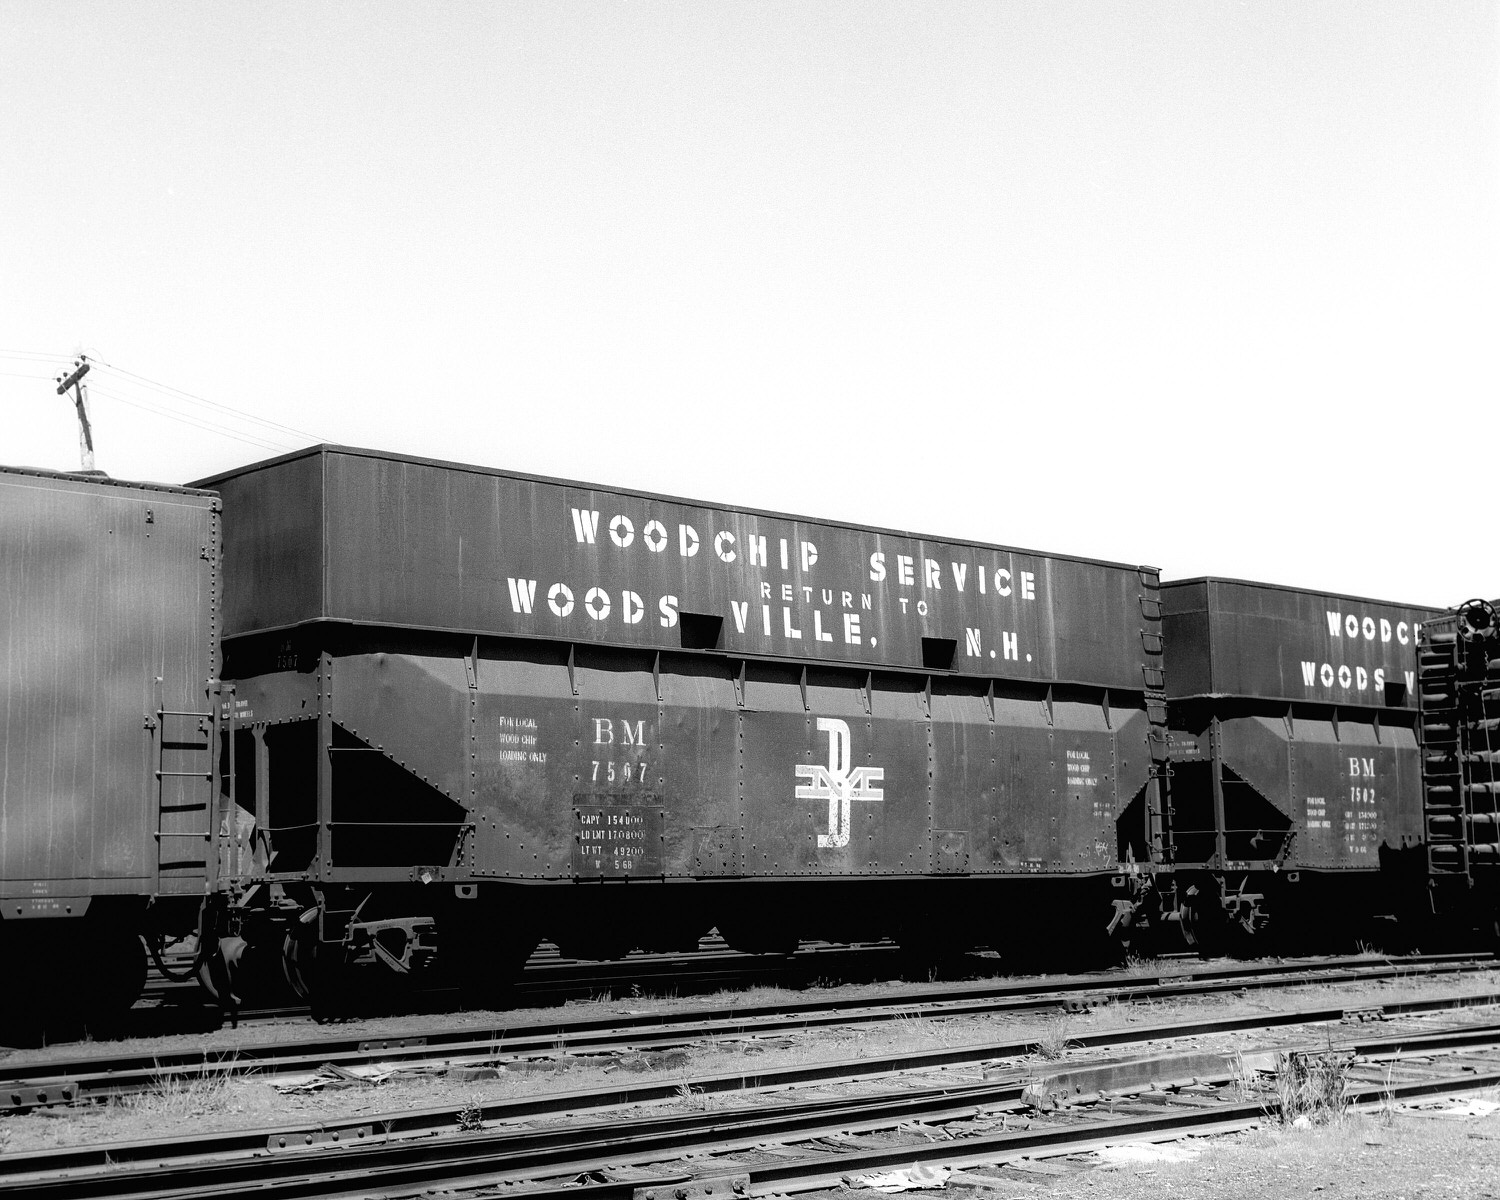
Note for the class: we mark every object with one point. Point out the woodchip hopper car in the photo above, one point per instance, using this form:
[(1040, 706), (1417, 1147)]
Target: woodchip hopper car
[(1295, 780), (474, 708)]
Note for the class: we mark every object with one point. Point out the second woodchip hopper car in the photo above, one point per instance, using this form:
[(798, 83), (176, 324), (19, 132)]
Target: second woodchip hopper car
[(473, 708), (1295, 785)]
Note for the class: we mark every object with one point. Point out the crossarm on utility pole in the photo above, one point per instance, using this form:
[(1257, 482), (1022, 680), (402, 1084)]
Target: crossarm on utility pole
[(74, 380)]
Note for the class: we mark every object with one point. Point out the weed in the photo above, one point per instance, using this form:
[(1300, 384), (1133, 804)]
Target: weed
[(694, 1097), (176, 1096), (1054, 1042), (1388, 1105), (470, 1118), (1312, 1085), (1245, 1078)]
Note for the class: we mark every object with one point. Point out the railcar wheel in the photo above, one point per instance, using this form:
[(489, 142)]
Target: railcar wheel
[(1223, 924), (317, 973), (486, 972), (759, 937), (1203, 925), (218, 969), (114, 975), (299, 956)]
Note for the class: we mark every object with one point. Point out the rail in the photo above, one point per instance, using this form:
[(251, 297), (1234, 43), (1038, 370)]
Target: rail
[(40, 1084), (409, 1152)]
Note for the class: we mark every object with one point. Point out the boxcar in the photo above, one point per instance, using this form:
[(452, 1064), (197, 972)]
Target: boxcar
[(473, 708), (1459, 686), (1295, 780), (108, 651)]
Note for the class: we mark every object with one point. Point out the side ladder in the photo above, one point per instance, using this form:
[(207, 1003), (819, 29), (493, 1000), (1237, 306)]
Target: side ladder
[(186, 799), (1159, 778), (1459, 699), (1442, 754)]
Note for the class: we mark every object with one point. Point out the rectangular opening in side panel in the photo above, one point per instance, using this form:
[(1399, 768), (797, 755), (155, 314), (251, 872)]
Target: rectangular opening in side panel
[(937, 653), (1395, 693), (701, 631)]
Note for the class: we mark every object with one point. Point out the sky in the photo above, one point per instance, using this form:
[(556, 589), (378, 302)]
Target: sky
[(1210, 286)]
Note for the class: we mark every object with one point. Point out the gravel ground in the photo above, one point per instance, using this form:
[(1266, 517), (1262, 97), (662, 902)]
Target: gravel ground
[(1281, 1161), (1362, 1158)]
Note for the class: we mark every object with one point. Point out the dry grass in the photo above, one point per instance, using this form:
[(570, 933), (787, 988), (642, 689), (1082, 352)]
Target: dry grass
[(1388, 1106), (1056, 1039), (1312, 1086), (179, 1097)]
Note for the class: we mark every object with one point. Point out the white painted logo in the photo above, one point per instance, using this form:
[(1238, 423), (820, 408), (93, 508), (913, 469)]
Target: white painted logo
[(837, 784)]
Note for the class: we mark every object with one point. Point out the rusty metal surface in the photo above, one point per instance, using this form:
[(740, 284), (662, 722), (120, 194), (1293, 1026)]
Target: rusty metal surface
[(1293, 716), (1341, 790), (1232, 638), (104, 587), (1356, 791), (359, 536)]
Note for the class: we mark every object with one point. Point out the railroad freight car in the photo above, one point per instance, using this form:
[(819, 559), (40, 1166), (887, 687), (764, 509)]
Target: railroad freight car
[(1295, 780), (474, 708), (1459, 692), (108, 653)]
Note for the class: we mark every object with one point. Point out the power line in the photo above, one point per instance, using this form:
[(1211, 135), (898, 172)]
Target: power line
[(249, 439), (178, 392), (132, 378), (144, 405), (36, 354)]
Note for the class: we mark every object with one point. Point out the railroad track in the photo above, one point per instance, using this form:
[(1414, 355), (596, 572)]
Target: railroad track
[(30, 1085), (991, 1113), (551, 978)]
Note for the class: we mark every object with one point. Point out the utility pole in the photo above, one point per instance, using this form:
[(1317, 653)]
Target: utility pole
[(74, 380)]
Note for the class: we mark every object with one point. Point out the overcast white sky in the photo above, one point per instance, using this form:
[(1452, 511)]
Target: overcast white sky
[(1207, 285)]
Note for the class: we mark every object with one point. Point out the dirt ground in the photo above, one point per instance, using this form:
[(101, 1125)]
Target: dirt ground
[(1409, 1156), (1402, 1157)]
